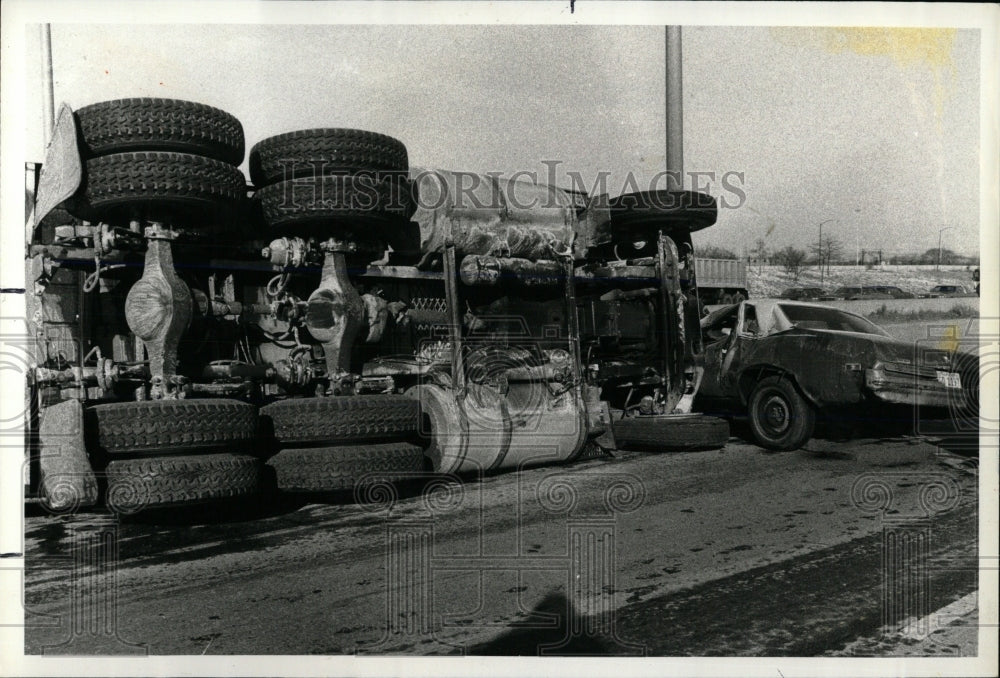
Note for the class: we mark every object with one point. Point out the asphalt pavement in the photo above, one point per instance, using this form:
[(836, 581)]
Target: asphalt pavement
[(828, 550)]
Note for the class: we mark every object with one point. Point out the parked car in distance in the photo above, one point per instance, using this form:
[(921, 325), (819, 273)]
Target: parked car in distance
[(893, 292), (805, 294), (950, 291), (853, 292), (783, 364)]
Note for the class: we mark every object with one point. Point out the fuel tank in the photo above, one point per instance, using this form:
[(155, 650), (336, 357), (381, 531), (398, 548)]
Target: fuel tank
[(489, 431)]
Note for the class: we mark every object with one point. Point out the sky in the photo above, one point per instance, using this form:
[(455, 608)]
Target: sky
[(873, 133)]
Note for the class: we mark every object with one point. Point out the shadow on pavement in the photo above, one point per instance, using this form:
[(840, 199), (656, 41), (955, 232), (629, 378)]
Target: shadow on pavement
[(557, 630)]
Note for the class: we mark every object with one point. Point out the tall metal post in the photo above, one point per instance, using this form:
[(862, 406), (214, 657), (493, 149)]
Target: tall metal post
[(48, 93), (819, 254), (675, 116), (937, 266)]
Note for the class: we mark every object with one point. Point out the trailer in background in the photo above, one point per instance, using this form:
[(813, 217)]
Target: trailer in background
[(721, 281)]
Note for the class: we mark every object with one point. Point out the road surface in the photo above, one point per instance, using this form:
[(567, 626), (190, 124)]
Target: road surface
[(840, 548)]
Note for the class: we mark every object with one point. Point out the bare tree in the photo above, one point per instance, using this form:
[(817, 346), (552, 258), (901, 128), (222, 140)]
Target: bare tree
[(834, 251), (759, 253), (791, 259), (830, 250)]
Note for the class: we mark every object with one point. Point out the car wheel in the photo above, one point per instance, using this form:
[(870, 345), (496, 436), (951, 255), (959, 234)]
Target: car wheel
[(780, 417)]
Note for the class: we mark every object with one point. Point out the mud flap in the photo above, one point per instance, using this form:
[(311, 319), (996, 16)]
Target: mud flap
[(63, 169), (67, 480)]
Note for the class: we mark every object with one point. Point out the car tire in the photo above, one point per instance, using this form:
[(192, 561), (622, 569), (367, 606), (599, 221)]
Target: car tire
[(780, 417), (329, 469), (124, 125), (151, 482), (641, 216), (381, 417), (350, 206), (149, 185), (172, 426), (671, 433), (321, 152)]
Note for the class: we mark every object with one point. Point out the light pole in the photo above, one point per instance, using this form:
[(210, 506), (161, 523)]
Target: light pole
[(857, 237), (819, 249), (937, 266)]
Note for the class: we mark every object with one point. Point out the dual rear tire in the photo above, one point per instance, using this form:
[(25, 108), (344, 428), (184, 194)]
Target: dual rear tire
[(159, 159), (174, 452), (325, 182), (333, 444)]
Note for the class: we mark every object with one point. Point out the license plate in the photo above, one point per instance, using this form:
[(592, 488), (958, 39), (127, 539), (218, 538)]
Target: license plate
[(949, 379)]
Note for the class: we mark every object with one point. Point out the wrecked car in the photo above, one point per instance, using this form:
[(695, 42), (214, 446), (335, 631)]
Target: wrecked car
[(784, 364)]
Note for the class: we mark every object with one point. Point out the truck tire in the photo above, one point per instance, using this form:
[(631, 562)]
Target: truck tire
[(327, 469), (172, 426), (780, 417), (355, 205), (137, 484), (322, 152), (640, 216), (124, 125), (127, 185), (342, 419), (670, 433)]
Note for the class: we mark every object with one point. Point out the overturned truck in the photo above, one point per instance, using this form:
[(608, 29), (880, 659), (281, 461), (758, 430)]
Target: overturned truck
[(340, 318)]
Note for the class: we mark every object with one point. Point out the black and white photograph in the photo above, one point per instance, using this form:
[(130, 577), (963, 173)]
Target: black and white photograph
[(499, 338)]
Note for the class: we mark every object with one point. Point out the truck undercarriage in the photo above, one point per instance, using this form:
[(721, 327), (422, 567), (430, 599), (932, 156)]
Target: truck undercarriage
[(343, 319)]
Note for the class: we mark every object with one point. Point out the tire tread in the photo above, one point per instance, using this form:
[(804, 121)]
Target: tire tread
[(342, 419), (153, 124)]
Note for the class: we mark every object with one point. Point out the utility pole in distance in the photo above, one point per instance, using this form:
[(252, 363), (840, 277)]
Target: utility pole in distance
[(819, 249), (937, 266)]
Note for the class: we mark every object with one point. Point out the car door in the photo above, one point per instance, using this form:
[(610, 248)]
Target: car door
[(742, 344), (717, 337)]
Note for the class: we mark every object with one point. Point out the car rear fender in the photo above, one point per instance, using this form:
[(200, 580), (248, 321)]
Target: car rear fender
[(751, 376)]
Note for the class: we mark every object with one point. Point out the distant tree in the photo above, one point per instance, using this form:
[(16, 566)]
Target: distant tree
[(791, 259), (947, 256), (759, 253), (715, 252), (831, 250)]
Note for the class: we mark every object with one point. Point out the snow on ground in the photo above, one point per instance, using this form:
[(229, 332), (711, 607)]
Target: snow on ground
[(767, 281)]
